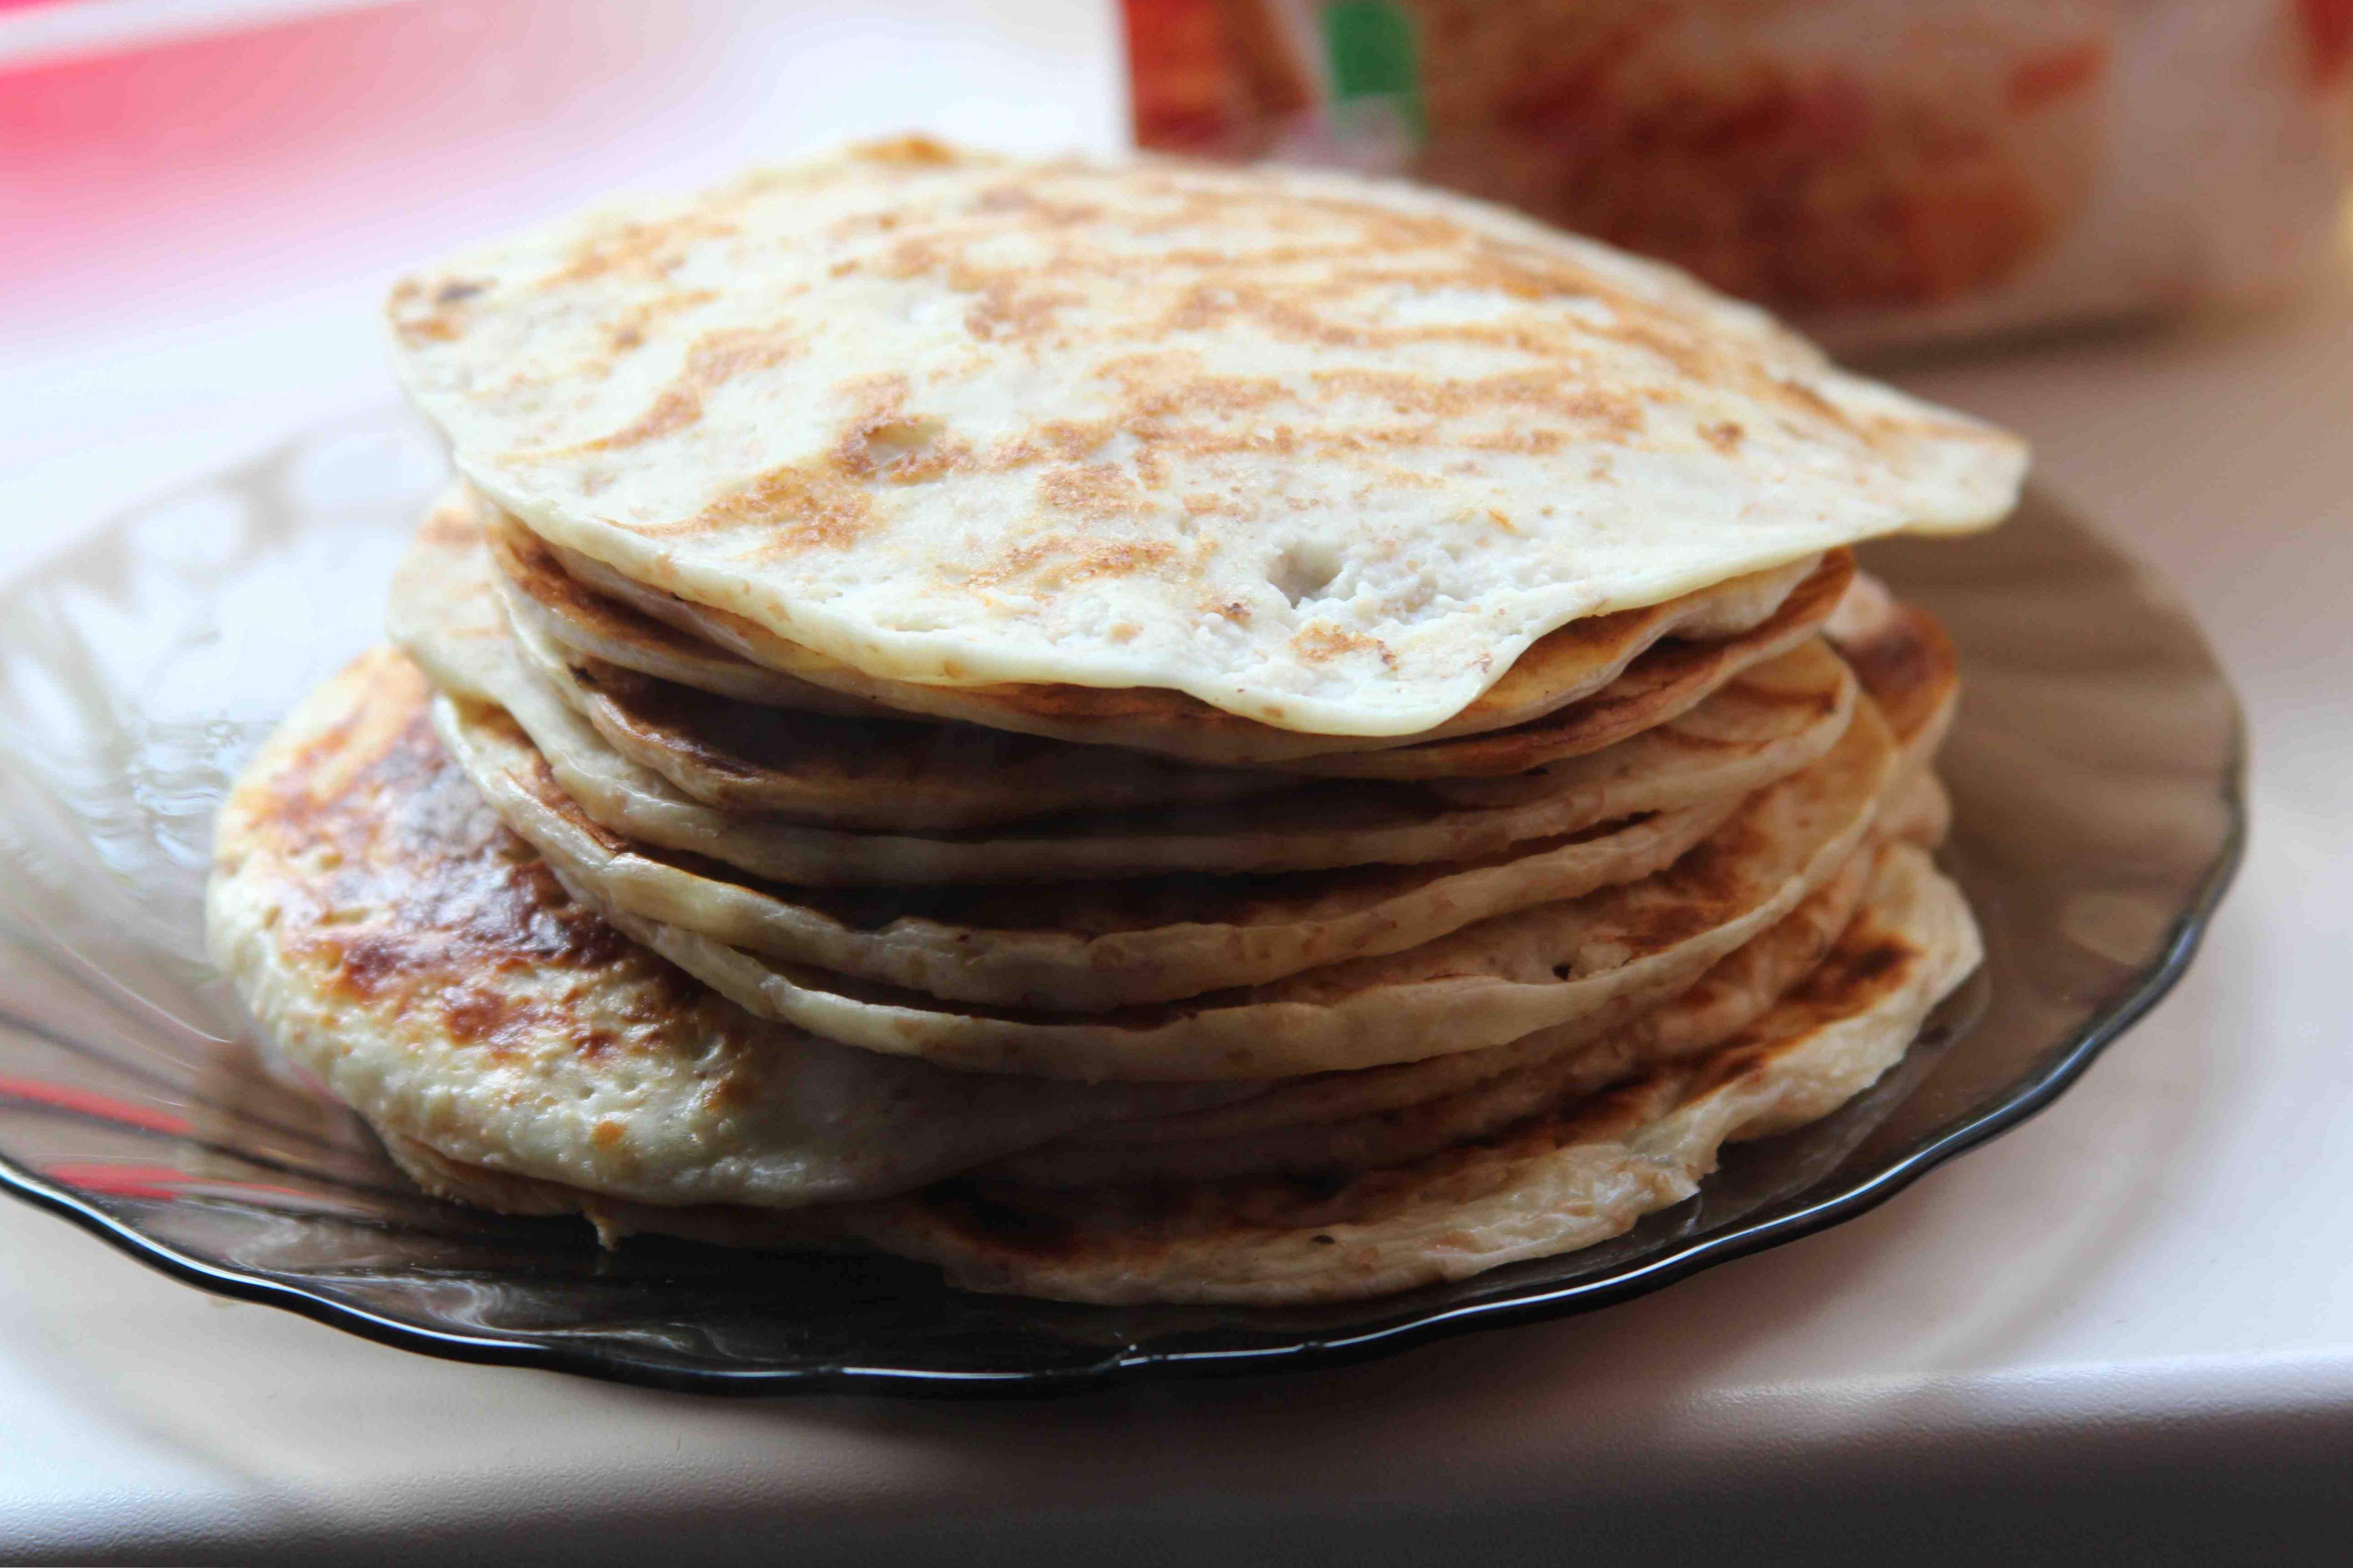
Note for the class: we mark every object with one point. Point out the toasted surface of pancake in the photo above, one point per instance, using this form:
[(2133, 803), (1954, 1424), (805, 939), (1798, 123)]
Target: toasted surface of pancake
[(1324, 453), (392, 938), (1591, 962), (1564, 665)]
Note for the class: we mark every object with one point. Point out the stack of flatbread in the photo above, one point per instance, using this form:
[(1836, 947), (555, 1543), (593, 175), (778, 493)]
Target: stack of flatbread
[(1140, 732)]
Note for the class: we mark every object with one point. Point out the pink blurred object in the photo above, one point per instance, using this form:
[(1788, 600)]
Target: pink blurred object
[(1887, 171), (245, 143), (69, 29)]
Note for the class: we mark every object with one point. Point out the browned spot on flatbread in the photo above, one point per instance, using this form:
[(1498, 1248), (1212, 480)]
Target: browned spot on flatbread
[(507, 1026), (911, 151), (882, 438), (1322, 642), (1058, 561), (636, 250), (1007, 310), (1596, 411), (414, 889), (1098, 492), (1058, 440), (799, 508), (423, 311), (1711, 884), (715, 359), (676, 408), (1864, 965), (737, 1088), (451, 524), (627, 330)]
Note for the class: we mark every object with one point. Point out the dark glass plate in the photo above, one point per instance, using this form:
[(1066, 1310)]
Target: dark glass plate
[(2095, 768)]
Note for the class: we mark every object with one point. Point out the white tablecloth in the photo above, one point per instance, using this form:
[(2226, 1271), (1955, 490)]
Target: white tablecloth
[(2126, 1317)]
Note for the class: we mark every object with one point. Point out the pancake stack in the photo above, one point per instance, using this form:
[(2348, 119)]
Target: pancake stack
[(1138, 733)]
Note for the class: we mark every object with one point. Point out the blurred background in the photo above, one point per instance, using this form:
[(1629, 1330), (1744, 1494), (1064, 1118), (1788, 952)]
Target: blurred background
[(202, 200)]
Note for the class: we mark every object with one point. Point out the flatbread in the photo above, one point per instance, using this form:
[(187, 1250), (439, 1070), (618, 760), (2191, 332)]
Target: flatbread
[(1558, 1182), (1913, 809), (1566, 1179), (1764, 724), (1340, 1122), (537, 592), (1326, 453), (1060, 946), (839, 770), (1668, 681), (1591, 962), (873, 773), (1565, 666), (1905, 659), (392, 938)]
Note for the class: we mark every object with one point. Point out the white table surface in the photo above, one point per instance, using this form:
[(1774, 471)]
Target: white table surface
[(2111, 1326)]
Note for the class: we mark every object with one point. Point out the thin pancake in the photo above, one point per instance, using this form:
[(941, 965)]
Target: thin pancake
[(1570, 663), (538, 594), (1591, 962), (872, 774), (1558, 1182), (1667, 680), (1059, 946), (1913, 809), (1336, 1123), (838, 770), (390, 937), (1764, 724), (1904, 659)]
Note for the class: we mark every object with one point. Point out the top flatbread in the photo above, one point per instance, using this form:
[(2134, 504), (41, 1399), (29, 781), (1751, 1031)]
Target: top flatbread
[(1326, 453)]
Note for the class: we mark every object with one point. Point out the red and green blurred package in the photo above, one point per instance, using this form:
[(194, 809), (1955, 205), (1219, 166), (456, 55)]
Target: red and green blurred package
[(1883, 171)]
